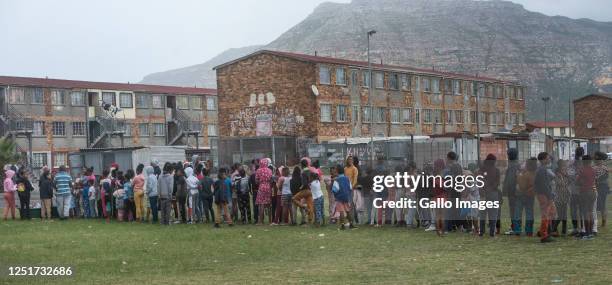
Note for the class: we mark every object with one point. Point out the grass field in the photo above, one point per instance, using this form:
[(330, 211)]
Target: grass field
[(122, 253)]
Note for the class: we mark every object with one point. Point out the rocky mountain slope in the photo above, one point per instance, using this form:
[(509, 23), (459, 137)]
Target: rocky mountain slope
[(554, 56), (201, 75)]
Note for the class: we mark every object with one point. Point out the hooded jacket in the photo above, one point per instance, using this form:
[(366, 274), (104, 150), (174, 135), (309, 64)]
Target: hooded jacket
[(192, 182), (150, 182), (9, 185), (27, 185), (164, 185)]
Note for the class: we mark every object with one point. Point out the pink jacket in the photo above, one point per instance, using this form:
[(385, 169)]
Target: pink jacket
[(9, 186)]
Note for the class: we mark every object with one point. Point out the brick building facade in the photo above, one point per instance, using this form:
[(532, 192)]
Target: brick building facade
[(272, 93), (63, 116), (593, 116)]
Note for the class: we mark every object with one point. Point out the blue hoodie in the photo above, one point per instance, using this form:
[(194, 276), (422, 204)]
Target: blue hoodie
[(342, 188)]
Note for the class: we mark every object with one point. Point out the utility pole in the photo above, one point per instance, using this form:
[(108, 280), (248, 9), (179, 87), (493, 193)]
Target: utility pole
[(545, 99), (371, 113)]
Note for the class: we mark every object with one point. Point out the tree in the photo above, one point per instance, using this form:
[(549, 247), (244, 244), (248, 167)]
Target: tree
[(8, 154)]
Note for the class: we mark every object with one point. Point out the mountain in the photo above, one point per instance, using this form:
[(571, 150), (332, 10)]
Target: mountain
[(554, 56), (201, 75)]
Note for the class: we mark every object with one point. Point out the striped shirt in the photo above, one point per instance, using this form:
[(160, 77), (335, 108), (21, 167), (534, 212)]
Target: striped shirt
[(62, 183)]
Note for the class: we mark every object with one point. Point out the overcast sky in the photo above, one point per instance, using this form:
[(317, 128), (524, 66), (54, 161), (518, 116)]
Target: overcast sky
[(121, 41)]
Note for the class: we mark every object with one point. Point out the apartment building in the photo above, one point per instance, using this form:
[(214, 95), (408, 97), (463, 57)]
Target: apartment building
[(557, 129), (51, 118), (274, 93)]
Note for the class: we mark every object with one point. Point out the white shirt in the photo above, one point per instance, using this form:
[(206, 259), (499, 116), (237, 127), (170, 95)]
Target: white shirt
[(315, 188)]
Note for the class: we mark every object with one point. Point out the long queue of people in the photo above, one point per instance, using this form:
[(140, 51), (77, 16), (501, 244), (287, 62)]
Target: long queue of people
[(188, 193)]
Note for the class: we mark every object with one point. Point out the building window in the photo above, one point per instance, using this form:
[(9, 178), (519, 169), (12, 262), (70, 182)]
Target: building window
[(159, 129), (366, 78), (142, 101), (340, 76), (125, 100), (38, 128), (379, 80), (77, 98), (157, 102), (519, 93), (341, 113), (551, 132), (324, 75), (449, 117), (182, 102), (57, 97), (473, 117), (143, 129), (459, 116), (473, 89), (37, 95), (561, 131), (448, 86), (393, 81), (127, 129), (367, 114), (39, 160), (493, 118), (435, 85), (405, 82), (17, 96), (437, 116), (212, 130), (427, 116), (354, 77), (513, 119), (522, 118), (59, 129), (196, 102), (59, 159), (407, 115), (379, 114), (108, 98), (211, 103), (456, 87), (426, 85), (326, 115), (417, 83), (417, 116), (78, 129), (467, 87), (500, 118), (395, 115), (355, 113)]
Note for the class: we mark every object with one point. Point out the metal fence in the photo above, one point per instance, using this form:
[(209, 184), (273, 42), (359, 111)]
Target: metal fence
[(282, 150)]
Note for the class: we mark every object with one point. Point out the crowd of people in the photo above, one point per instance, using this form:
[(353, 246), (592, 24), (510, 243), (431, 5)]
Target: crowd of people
[(260, 193)]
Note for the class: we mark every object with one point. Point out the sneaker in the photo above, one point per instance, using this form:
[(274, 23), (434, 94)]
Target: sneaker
[(273, 224), (587, 237), (509, 233), (430, 228), (547, 239)]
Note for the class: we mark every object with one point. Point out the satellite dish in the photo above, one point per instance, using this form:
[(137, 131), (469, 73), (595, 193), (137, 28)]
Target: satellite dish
[(589, 125), (315, 90)]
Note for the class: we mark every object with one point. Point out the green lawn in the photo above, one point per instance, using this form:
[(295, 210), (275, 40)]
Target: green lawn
[(122, 253)]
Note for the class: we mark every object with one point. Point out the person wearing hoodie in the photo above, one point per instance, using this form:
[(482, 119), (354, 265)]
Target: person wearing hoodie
[(263, 177), (9, 194), (181, 194), (509, 186), (63, 196), (45, 186), (193, 184), (165, 184), (24, 188), (342, 190), (138, 184), (151, 191)]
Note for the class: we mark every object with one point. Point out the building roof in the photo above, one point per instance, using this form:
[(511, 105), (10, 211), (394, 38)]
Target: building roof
[(364, 64), (549, 124), (71, 84), (603, 95)]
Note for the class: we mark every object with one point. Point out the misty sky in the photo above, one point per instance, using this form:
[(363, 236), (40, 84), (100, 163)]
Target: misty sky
[(121, 41)]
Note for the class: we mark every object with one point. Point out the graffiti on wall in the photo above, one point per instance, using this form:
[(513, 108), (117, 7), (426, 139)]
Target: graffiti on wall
[(265, 118)]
